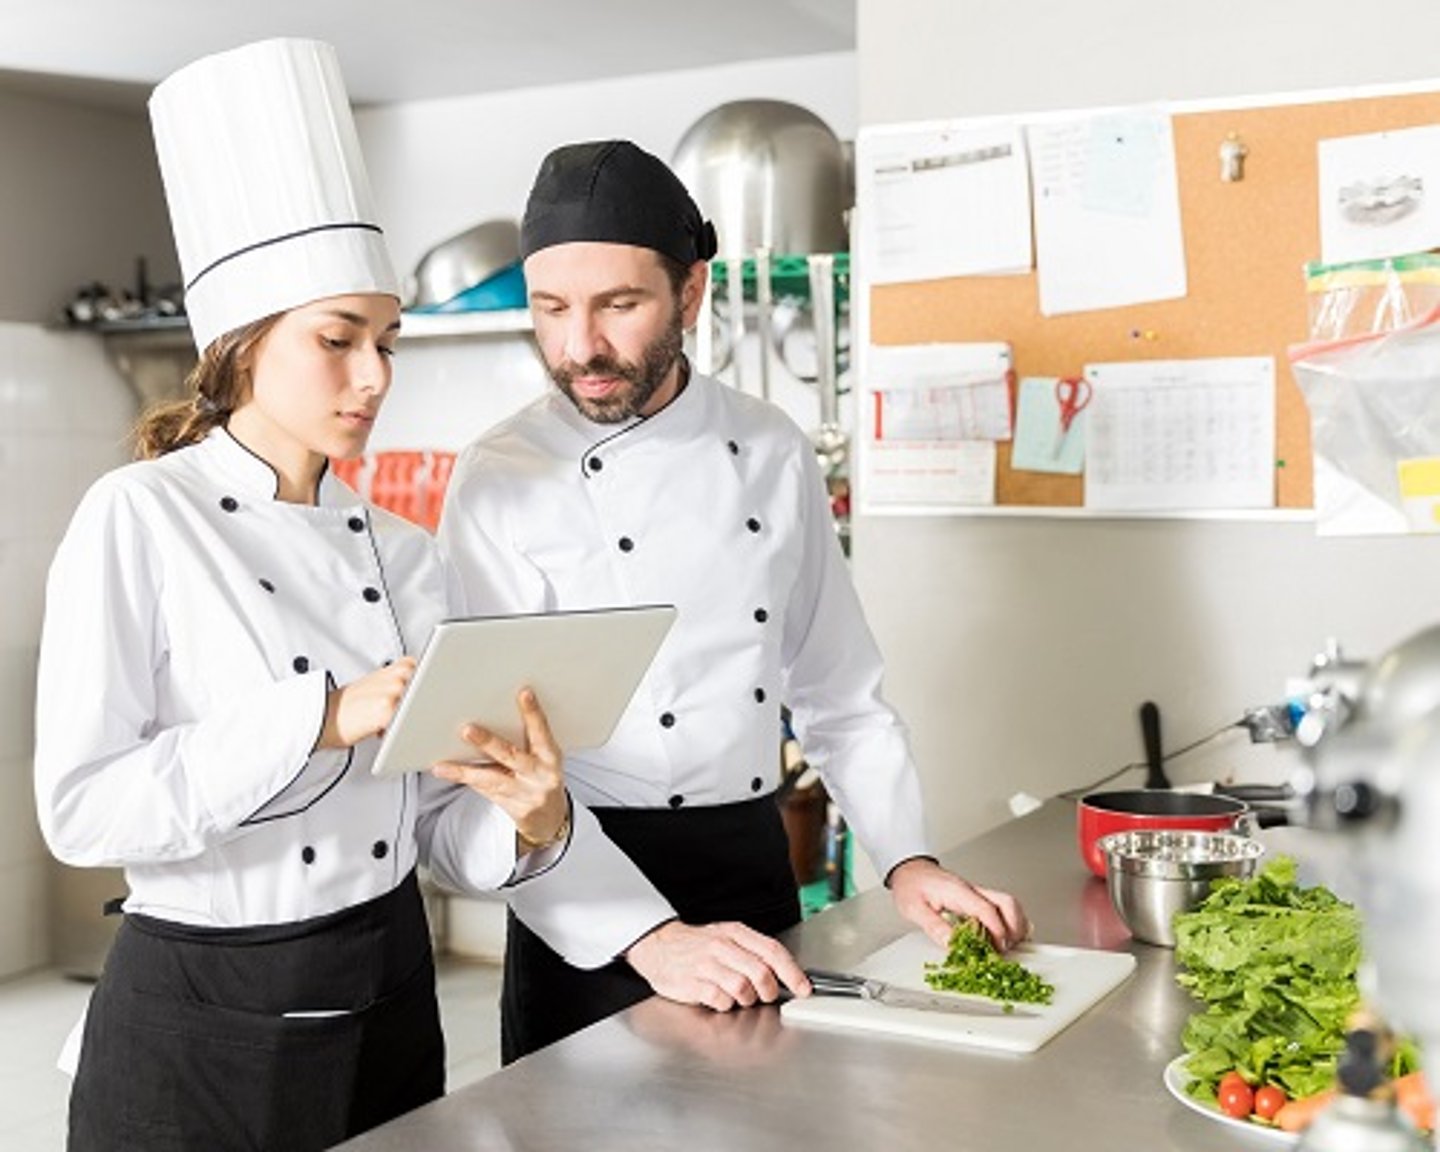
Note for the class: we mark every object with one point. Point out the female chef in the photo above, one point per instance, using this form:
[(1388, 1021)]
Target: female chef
[(227, 628)]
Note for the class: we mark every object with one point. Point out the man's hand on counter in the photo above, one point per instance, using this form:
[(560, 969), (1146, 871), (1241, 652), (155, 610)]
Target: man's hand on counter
[(924, 892), (721, 966)]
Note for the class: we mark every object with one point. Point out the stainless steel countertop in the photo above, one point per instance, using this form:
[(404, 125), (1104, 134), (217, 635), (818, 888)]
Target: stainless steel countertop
[(664, 1076)]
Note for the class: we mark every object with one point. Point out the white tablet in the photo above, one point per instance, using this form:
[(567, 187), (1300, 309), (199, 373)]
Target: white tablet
[(584, 667)]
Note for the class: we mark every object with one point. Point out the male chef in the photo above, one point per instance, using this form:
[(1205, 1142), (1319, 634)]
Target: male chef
[(640, 481)]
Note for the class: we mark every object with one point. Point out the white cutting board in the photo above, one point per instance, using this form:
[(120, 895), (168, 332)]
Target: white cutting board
[(1081, 977)]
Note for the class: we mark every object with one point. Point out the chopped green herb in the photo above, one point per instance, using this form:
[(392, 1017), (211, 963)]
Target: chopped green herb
[(973, 966)]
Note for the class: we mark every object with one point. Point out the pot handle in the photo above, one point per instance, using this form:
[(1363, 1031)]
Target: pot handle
[(1249, 822), (1154, 757), (1274, 793)]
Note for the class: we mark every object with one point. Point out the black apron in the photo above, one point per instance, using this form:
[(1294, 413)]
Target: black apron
[(187, 1044), (727, 862)]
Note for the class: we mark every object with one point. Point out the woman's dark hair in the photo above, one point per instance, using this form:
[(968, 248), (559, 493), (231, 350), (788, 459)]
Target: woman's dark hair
[(217, 384)]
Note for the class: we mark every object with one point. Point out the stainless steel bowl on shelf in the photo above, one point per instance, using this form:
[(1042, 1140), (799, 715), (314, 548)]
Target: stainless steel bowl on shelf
[(463, 261), (1152, 875)]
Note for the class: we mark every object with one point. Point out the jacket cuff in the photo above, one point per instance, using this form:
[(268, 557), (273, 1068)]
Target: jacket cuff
[(593, 903)]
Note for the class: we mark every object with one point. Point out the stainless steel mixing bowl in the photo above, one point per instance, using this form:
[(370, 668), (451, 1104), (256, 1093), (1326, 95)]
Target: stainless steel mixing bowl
[(463, 261), (1152, 874)]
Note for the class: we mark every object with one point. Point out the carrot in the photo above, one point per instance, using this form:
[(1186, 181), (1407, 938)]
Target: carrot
[(1295, 1115), (1413, 1096)]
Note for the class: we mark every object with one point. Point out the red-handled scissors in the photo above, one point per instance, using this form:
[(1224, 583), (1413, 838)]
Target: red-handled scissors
[(1072, 396)]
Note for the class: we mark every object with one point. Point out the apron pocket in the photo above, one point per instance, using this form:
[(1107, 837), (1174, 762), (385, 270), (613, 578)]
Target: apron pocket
[(211, 1077)]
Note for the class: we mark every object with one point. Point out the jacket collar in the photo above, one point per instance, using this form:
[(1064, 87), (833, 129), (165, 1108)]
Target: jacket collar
[(241, 469), (684, 417)]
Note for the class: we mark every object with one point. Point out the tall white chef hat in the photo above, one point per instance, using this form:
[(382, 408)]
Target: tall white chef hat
[(269, 200)]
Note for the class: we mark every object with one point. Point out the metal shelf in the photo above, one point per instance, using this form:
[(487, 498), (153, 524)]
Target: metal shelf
[(155, 354), (789, 276), (175, 330), (499, 322)]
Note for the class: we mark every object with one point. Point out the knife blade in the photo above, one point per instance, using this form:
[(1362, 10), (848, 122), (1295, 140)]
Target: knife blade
[(825, 983)]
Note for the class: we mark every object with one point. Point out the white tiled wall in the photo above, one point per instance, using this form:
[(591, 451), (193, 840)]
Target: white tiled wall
[(64, 416), (449, 390)]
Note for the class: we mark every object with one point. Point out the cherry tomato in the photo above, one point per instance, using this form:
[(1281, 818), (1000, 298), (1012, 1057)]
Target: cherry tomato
[(1236, 1098), (1229, 1079), (1268, 1101)]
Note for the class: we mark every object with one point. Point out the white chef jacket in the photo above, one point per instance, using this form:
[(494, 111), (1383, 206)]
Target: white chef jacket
[(194, 625), (716, 505)]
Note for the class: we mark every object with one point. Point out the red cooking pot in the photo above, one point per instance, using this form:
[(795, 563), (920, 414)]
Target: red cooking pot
[(1101, 813)]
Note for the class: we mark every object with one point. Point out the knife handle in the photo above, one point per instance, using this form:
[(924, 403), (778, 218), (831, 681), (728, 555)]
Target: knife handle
[(835, 983)]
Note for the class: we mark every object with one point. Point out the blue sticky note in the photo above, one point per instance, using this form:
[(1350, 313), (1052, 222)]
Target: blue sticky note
[(1038, 446)]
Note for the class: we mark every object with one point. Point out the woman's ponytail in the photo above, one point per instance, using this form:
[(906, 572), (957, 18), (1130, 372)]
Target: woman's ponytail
[(172, 425), (217, 384)]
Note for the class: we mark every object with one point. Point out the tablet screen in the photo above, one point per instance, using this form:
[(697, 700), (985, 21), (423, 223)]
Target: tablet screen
[(584, 667)]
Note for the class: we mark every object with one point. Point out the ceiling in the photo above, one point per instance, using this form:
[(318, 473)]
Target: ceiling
[(111, 54)]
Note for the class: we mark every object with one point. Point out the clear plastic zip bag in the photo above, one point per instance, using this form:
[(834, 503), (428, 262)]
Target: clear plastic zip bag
[(1370, 375)]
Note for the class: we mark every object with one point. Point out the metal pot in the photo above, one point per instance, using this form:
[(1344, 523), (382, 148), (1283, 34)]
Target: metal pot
[(1101, 813), (775, 181), (769, 175)]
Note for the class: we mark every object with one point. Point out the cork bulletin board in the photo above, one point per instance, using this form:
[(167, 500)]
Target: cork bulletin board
[(1246, 244)]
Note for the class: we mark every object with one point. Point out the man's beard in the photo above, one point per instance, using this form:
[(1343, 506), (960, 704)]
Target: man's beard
[(642, 380)]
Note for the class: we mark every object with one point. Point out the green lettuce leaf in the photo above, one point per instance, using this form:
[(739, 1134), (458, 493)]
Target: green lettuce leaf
[(1274, 964)]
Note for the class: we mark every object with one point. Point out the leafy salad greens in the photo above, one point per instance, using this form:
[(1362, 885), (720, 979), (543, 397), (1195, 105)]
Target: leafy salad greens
[(1275, 964)]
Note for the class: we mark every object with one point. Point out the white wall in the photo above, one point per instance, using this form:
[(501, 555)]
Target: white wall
[(64, 413), (80, 200), (1020, 649), (920, 59)]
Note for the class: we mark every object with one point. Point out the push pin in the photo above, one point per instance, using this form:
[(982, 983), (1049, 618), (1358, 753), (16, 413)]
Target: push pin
[(1232, 158)]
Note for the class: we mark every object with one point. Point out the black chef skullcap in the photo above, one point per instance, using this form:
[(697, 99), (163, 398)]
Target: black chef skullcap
[(614, 192)]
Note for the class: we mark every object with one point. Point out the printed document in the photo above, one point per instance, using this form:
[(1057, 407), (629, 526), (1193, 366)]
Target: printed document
[(938, 201), (1378, 194), (1107, 212), (940, 391), (1181, 434), (928, 475)]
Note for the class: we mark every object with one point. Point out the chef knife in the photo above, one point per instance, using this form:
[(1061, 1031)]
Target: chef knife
[(858, 987)]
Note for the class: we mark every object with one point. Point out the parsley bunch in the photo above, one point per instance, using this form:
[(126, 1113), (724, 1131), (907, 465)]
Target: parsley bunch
[(972, 966)]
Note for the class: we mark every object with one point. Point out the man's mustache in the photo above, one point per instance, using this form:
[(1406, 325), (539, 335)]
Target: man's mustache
[(596, 366)]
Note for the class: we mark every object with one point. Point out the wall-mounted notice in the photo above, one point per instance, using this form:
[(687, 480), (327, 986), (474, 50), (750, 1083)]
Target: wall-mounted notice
[(1164, 435), (936, 413), (1107, 211), (944, 201), (940, 391), (1043, 440), (1378, 194), (929, 475)]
